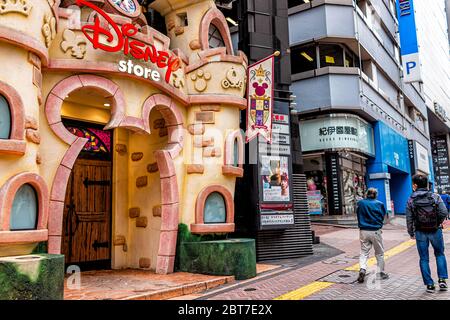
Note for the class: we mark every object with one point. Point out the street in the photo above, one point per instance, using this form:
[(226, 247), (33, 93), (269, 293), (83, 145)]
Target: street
[(325, 277)]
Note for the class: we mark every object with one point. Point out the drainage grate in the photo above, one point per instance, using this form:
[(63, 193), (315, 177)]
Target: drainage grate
[(341, 276), (250, 289)]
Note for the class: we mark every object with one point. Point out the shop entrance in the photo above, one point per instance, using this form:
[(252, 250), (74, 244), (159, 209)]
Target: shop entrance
[(87, 207)]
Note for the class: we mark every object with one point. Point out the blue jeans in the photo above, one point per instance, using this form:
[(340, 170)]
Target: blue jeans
[(423, 240)]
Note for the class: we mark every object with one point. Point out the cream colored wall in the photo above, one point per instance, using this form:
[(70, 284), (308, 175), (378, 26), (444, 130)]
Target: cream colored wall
[(120, 200), (30, 25), (191, 32), (144, 242), (21, 79), (194, 183)]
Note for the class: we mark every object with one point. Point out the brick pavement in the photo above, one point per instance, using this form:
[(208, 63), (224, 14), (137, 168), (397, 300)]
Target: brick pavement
[(405, 281)]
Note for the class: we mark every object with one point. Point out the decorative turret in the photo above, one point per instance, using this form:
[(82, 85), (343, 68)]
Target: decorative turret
[(194, 26)]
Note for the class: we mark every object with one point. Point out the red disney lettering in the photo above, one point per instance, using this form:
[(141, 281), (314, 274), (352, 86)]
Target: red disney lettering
[(125, 42)]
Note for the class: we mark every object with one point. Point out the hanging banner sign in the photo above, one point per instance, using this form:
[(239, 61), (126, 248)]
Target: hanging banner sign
[(120, 39), (260, 99), (408, 41)]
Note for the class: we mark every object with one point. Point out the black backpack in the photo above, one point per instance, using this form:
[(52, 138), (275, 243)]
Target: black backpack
[(425, 213)]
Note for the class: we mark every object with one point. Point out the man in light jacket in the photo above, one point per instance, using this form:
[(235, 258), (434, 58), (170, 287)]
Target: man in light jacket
[(371, 213)]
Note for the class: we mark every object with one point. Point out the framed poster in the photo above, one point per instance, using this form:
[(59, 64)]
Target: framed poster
[(314, 202), (274, 175)]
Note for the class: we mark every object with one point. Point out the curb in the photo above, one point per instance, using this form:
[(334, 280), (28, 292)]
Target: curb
[(183, 290)]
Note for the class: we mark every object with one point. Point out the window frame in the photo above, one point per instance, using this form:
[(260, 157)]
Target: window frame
[(7, 194), (345, 51), (16, 144), (200, 227)]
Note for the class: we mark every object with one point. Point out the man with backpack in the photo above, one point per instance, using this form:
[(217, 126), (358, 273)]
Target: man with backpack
[(371, 213), (425, 213)]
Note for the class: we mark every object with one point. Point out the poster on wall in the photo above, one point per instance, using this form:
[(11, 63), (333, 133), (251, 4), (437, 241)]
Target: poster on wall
[(260, 99), (275, 178), (314, 202)]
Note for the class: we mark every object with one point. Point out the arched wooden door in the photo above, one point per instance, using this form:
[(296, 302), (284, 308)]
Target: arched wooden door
[(87, 207)]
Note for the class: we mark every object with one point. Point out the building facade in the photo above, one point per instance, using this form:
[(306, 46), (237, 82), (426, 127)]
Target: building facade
[(271, 196), (113, 133), (361, 124), (433, 53)]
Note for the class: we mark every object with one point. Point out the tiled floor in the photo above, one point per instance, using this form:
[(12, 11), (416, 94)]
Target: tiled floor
[(125, 284)]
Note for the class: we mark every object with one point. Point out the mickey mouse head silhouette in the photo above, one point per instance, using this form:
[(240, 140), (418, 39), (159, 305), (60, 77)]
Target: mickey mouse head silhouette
[(260, 90)]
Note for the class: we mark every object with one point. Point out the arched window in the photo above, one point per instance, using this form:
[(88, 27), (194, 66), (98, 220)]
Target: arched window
[(5, 119), (215, 38), (24, 209), (215, 210)]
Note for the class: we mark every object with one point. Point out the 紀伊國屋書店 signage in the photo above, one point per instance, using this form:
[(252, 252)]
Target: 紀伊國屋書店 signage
[(129, 46)]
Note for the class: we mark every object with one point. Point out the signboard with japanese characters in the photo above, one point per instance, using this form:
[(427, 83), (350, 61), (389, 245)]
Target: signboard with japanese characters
[(441, 163), (337, 132)]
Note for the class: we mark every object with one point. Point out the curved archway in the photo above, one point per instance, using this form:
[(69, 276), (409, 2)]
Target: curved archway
[(215, 16), (169, 185), (164, 158)]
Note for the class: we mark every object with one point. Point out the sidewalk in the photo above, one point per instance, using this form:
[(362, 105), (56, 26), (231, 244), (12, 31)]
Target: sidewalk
[(335, 278)]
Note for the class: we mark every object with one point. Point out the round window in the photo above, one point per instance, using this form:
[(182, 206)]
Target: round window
[(24, 209)]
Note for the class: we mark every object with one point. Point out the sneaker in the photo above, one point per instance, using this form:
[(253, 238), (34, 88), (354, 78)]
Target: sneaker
[(362, 274), (443, 285), (382, 276), (431, 288)]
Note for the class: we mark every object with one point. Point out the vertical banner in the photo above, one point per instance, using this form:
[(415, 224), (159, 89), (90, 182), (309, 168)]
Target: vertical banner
[(260, 99), (408, 41)]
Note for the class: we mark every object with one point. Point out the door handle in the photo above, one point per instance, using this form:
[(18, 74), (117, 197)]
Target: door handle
[(97, 245), (88, 182)]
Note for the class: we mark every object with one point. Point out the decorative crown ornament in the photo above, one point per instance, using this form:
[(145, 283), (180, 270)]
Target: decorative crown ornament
[(17, 6), (260, 72)]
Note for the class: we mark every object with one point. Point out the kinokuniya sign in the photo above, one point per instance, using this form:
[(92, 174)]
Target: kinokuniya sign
[(123, 40), (337, 132)]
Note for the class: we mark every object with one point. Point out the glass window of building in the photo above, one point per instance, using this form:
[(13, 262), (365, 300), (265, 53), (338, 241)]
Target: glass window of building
[(5, 118), (24, 209), (303, 59), (215, 210), (215, 38), (331, 55), (350, 60)]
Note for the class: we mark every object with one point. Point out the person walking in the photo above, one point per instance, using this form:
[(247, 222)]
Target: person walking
[(371, 213), (446, 199), (425, 213)]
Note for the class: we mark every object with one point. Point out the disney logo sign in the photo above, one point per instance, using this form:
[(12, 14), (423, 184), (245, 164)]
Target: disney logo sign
[(125, 42)]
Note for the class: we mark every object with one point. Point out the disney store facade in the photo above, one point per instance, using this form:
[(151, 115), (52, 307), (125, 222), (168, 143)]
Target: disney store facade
[(112, 134)]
